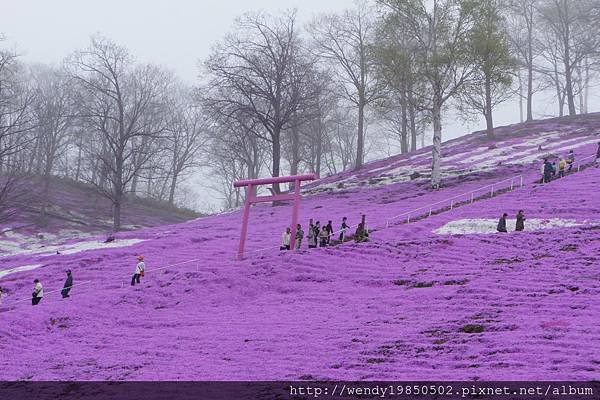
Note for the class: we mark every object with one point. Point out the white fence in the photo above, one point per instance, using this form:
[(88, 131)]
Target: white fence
[(427, 210)]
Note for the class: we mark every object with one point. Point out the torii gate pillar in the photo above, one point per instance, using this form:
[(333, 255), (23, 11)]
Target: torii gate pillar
[(250, 184)]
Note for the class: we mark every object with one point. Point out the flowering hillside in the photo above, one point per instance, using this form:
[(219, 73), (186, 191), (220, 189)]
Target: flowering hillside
[(442, 297)]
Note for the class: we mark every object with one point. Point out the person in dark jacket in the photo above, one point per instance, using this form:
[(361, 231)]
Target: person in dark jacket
[(502, 223), (597, 154), (299, 236), (67, 286), (570, 160), (38, 292), (520, 221), (343, 229), (329, 228), (554, 169), (323, 237), (547, 171)]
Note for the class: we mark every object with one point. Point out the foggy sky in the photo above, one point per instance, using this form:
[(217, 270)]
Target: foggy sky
[(177, 34)]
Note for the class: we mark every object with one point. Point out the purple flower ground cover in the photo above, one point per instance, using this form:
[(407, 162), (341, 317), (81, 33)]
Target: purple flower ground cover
[(410, 304)]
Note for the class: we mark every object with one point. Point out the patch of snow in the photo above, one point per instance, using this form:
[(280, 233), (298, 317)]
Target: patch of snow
[(77, 247), (486, 226), (9, 271)]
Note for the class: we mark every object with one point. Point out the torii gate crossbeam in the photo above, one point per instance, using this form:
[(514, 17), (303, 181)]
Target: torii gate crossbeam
[(250, 184)]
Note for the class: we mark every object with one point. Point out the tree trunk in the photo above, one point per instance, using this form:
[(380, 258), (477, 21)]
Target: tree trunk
[(404, 129), (436, 173), (117, 193), (79, 157), (172, 188), (530, 72), (413, 125), (488, 108), (276, 156), (520, 98), (568, 72), (360, 142), (117, 215)]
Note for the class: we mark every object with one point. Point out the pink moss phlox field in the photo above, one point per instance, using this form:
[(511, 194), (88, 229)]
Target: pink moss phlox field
[(409, 304)]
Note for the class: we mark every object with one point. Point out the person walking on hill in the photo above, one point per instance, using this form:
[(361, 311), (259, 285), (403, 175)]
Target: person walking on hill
[(562, 164), (502, 223), (547, 171), (554, 169), (68, 285), (299, 236), (343, 229), (139, 271), (324, 237), (38, 292), (362, 233), (286, 239), (329, 228), (520, 221), (312, 237), (597, 154), (570, 160)]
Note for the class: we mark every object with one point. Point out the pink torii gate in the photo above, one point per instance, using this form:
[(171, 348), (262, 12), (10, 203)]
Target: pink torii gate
[(251, 199)]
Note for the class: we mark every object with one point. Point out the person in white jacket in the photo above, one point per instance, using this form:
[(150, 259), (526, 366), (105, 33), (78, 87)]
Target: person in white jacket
[(38, 292), (139, 271), (286, 239)]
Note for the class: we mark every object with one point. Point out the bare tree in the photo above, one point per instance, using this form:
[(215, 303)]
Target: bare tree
[(185, 137), (344, 40), (494, 67), (259, 70), (442, 33), (16, 120), (119, 95), (577, 34), (523, 27), (54, 112)]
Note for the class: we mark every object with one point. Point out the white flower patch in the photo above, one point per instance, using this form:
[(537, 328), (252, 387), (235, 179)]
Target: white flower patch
[(487, 226)]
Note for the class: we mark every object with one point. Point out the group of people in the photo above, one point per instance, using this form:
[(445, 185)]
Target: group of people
[(318, 236), (551, 169), (520, 226), (38, 289)]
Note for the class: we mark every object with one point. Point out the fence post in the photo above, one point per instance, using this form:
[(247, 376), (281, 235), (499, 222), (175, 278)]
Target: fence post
[(512, 181), (387, 224), (451, 204), (408, 219), (430, 211), (521, 185), (492, 191), (472, 197)]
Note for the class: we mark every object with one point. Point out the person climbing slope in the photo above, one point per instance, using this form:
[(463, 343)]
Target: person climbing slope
[(502, 223), (285, 239), (362, 233), (67, 286), (343, 229), (547, 171), (312, 237), (570, 160), (520, 221), (38, 292), (329, 228), (299, 236), (324, 237), (562, 165), (139, 271)]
